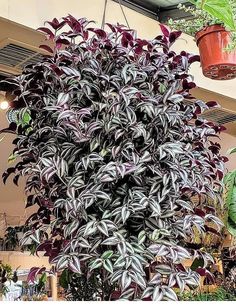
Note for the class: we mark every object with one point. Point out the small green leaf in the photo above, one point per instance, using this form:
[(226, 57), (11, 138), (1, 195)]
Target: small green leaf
[(231, 151), (107, 254), (95, 264), (12, 158), (108, 265)]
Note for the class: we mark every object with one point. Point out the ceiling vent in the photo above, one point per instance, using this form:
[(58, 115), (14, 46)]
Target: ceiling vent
[(16, 56), (219, 116), (19, 46)]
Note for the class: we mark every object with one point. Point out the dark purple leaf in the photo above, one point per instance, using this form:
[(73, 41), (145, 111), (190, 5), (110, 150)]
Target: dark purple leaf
[(201, 271), (46, 48), (62, 41), (165, 30), (174, 35), (212, 104), (194, 58), (46, 31)]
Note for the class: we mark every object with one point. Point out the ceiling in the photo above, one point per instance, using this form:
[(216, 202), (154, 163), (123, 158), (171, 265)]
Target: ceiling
[(157, 9)]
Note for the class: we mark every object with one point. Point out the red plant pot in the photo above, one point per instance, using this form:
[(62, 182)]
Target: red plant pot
[(217, 63)]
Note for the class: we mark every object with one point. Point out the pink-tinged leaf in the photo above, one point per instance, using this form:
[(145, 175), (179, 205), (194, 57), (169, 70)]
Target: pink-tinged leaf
[(54, 23), (112, 27), (174, 35), (138, 50), (100, 33), (220, 128), (74, 265), (165, 30), (224, 159), (46, 31), (46, 48), (34, 271), (128, 36), (58, 45)]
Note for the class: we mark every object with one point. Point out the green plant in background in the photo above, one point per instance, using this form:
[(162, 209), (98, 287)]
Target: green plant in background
[(41, 284), (206, 13), (78, 287), (6, 274), (230, 198), (219, 295), (12, 238)]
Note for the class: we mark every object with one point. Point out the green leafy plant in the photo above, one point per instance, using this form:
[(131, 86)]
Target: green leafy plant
[(222, 10), (78, 287), (206, 13), (6, 274), (219, 295), (113, 159), (12, 239), (230, 198)]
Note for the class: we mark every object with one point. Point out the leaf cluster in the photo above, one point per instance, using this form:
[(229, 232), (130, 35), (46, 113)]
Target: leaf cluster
[(113, 156)]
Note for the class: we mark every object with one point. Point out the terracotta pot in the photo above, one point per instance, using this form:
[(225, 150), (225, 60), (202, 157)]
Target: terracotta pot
[(217, 63)]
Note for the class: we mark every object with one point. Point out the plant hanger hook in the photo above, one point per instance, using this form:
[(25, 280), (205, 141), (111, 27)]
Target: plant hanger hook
[(104, 14)]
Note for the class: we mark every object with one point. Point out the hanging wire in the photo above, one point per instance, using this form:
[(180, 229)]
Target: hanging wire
[(104, 15), (124, 14)]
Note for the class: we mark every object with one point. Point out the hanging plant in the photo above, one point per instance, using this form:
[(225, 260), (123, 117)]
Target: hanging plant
[(113, 156), (214, 27)]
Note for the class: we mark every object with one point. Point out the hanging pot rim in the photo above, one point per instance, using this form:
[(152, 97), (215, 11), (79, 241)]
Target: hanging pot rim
[(209, 29)]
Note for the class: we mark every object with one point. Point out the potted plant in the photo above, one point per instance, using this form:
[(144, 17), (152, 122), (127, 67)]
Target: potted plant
[(113, 156), (214, 27)]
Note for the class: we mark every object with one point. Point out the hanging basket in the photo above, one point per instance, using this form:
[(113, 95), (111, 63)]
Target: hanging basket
[(217, 63)]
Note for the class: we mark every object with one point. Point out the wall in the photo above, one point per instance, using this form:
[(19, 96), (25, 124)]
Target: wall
[(24, 261), (33, 13)]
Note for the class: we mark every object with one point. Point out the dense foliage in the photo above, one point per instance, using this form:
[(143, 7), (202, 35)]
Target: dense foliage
[(113, 157)]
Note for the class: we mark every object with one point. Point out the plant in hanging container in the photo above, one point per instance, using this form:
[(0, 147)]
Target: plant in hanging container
[(214, 27), (113, 156)]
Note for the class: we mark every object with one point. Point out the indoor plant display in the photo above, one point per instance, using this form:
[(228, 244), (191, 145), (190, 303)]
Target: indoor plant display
[(113, 157), (214, 27)]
